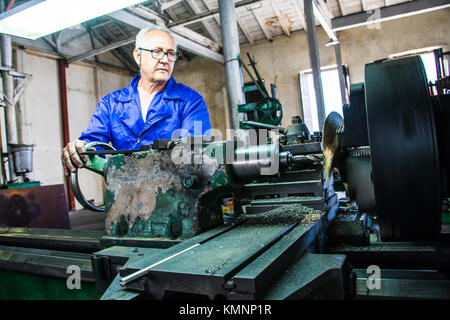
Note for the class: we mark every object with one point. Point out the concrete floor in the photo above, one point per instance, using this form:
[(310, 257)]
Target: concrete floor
[(87, 220)]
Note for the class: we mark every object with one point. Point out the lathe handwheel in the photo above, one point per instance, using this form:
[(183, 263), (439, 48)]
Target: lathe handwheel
[(404, 152), (268, 111), (74, 180)]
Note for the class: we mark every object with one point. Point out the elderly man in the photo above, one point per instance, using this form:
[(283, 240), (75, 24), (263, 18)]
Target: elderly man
[(152, 107)]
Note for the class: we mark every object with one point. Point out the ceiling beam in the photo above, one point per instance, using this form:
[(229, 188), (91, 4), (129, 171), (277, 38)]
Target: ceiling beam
[(91, 38), (298, 6), (149, 14), (118, 53), (364, 5), (216, 18), (323, 6), (172, 15), (261, 24), (397, 11), (184, 43), (344, 11), (322, 14), (197, 37), (209, 14), (368, 5), (35, 47), (169, 4), (206, 25), (390, 2), (244, 30), (51, 44), (281, 18), (239, 22), (74, 37), (101, 50)]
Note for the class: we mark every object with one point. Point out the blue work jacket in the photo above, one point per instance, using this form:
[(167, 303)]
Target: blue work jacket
[(118, 117)]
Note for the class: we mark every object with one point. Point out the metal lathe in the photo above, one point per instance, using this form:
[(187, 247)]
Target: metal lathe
[(295, 215)]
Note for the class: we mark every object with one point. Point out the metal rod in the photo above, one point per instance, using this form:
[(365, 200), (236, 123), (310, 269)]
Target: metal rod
[(231, 49), (253, 64), (337, 50), (274, 90), (315, 61), (65, 122), (125, 280), (100, 152), (261, 90), (259, 125), (131, 277)]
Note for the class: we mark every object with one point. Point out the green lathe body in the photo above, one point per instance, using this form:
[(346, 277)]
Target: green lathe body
[(171, 193)]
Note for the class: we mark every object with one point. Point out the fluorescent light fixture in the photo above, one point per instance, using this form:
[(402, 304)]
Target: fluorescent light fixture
[(38, 18)]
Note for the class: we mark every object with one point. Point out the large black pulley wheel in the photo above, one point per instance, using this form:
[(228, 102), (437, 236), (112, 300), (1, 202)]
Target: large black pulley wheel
[(404, 150)]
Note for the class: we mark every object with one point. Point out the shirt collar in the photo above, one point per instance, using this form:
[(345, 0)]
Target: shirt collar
[(171, 91)]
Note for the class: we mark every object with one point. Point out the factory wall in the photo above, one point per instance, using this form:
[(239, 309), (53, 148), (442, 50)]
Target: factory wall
[(208, 78), (40, 114), (280, 61)]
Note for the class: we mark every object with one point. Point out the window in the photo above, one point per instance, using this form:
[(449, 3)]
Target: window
[(332, 95), (429, 62), (430, 66)]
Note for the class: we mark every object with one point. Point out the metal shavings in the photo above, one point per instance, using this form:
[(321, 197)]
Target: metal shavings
[(284, 215)]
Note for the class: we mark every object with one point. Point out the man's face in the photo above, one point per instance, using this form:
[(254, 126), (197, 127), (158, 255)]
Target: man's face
[(159, 70)]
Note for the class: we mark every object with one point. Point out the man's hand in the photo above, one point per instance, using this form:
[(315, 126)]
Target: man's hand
[(70, 158)]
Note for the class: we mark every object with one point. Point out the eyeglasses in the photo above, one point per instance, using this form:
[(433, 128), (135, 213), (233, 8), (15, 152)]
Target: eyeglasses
[(159, 54)]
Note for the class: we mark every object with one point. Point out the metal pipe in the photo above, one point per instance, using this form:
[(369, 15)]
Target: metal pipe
[(8, 95), (260, 125), (3, 178), (233, 71), (65, 123), (274, 91), (315, 60), (337, 50)]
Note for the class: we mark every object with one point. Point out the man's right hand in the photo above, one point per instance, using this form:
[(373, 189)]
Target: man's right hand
[(70, 157)]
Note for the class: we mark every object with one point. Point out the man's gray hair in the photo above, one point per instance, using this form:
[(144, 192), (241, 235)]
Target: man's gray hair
[(140, 37)]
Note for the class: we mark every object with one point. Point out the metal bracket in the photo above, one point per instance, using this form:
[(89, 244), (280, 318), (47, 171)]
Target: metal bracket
[(24, 80)]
